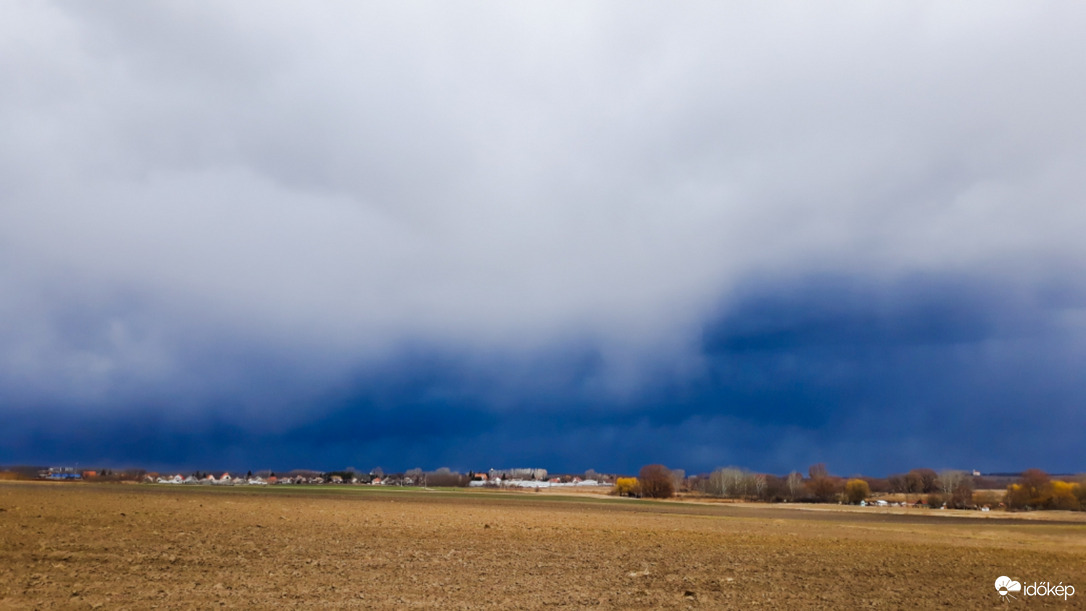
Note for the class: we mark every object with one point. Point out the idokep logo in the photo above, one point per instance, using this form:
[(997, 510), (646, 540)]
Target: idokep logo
[(1005, 586)]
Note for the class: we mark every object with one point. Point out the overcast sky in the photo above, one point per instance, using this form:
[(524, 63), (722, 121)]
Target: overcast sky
[(570, 235)]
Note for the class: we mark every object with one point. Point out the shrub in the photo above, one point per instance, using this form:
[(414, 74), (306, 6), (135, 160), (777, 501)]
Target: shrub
[(1062, 496), (857, 490), (1033, 491), (1016, 497), (626, 486)]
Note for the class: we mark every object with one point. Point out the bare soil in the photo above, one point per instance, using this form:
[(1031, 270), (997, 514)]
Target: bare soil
[(80, 546)]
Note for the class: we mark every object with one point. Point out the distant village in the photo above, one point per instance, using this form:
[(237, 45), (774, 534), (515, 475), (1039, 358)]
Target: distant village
[(497, 478)]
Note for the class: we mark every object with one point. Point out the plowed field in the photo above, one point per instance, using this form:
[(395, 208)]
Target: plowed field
[(74, 546)]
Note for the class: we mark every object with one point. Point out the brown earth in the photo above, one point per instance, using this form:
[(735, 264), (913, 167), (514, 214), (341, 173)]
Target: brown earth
[(79, 546)]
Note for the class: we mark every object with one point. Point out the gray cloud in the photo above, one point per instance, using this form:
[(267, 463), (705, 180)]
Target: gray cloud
[(187, 186)]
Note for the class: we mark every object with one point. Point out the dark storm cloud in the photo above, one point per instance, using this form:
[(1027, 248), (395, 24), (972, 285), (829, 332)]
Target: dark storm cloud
[(755, 235), (859, 372)]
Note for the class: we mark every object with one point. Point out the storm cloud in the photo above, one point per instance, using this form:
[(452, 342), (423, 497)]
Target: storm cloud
[(567, 235)]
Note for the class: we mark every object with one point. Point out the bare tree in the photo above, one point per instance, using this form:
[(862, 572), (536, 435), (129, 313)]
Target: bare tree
[(897, 483), (821, 485), (740, 482), (949, 480), (922, 480), (678, 477), (962, 495), (655, 482), (445, 477), (759, 484), (715, 485), (795, 484), (728, 482)]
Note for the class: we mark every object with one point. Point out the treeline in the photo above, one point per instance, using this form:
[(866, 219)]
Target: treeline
[(952, 489), (1031, 490), (1036, 490), (29, 472)]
